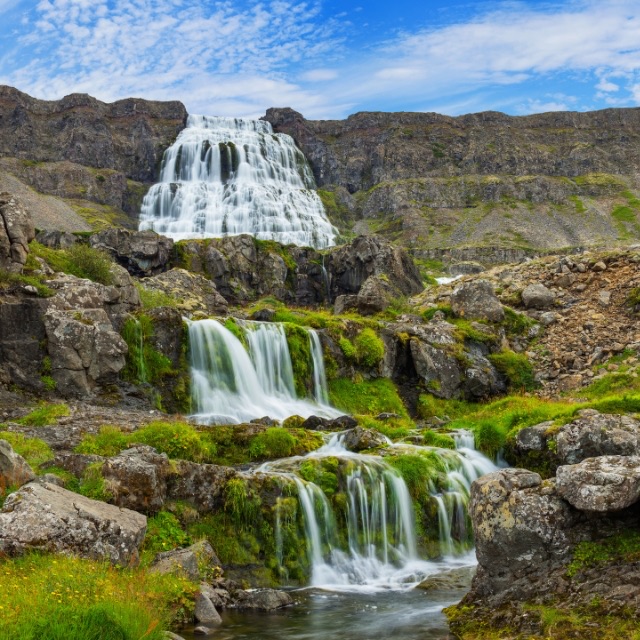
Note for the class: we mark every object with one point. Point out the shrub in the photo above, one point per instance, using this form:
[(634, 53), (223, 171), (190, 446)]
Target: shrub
[(163, 534), (87, 262), (369, 348)]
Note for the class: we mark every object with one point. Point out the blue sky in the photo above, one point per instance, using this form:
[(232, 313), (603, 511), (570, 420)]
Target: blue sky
[(328, 58)]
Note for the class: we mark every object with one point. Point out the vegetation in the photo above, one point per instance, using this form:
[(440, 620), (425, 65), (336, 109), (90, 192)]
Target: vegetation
[(366, 397), (46, 414), (84, 600), (33, 450), (516, 368), (79, 260), (623, 547)]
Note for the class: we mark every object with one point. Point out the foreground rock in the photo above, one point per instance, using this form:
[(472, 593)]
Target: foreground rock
[(477, 300), (195, 562), (16, 231), (14, 470), (45, 517)]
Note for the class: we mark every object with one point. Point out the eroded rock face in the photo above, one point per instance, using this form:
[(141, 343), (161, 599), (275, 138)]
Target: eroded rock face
[(477, 300), (142, 253), (16, 231), (45, 517), (14, 470), (606, 483)]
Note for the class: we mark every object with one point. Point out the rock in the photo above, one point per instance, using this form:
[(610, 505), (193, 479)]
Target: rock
[(191, 292), (142, 253), (85, 351), (202, 485), (204, 610), (439, 370), (599, 266), (548, 318), (14, 470), (264, 315), (45, 517), (263, 600), (533, 438), (341, 423), (56, 239), (595, 434), (606, 483), (537, 296), (202, 631), (359, 439), (137, 479), (465, 268), (16, 231), (476, 299), (374, 295), (458, 578), (315, 423), (171, 636), (193, 562)]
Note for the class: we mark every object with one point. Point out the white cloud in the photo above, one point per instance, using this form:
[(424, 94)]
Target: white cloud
[(319, 75)]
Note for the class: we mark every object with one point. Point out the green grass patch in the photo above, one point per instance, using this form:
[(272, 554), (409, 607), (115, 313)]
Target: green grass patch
[(394, 428), (151, 299), (178, 440), (79, 260), (33, 450), (164, 533), (516, 368), (87, 600), (369, 348), (46, 414), (623, 547), (440, 440), (366, 397), (109, 441)]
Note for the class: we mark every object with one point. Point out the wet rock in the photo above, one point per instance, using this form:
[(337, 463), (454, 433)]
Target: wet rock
[(359, 439), (45, 517), (458, 578), (262, 600), (14, 470), (194, 562), (16, 231), (315, 423), (533, 438), (606, 483), (537, 296), (476, 299), (201, 630), (341, 423), (263, 315), (142, 253)]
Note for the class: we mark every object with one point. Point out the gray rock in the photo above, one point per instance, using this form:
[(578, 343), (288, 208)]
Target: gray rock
[(476, 299), (359, 439), (45, 517), (171, 636), (458, 578), (263, 600), (204, 610), (596, 434), (537, 296), (56, 239), (142, 253), (440, 371), (606, 483), (533, 438), (192, 562), (14, 470), (137, 479), (201, 630), (16, 231)]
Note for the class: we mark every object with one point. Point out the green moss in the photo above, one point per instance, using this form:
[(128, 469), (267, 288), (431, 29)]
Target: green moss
[(109, 441), (143, 362), (33, 450), (369, 348), (435, 439), (177, 439), (323, 472), (418, 471), (46, 414), (393, 428), (300, 352), (231, 324), (428, 314), (516, 368), (275, 442), (366, 396), (347, 348), (623, 547), (516, 324)]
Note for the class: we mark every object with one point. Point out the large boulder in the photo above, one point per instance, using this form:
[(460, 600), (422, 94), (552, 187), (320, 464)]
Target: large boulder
[(477, 299), (537, 296), (16, 231), (202, 485), (606, 483), (142, 253), (45, 517), (194, 562), (84, 349), (14, 470), (192, 292), (359, 439)]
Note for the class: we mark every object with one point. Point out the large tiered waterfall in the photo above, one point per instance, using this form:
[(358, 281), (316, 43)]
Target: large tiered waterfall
[(233, 384), (227, 176), (368, 540)]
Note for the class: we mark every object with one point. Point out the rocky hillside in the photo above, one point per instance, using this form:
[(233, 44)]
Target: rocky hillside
[(79, 163), (436, 183)]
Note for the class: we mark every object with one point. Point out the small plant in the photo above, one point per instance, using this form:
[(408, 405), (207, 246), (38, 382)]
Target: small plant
[(92, 485), (46, 414), (163, 534), (87, 262), (275, 442), (369, 348), (109, 441), (152, 299), (347, 348), (177, 439)]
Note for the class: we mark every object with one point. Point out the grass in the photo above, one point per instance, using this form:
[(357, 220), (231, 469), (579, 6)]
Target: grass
[(153, 299), (624, 547), (33, 450), (47, 597), (46, 414), (10, 281), (516, 368), (366, 397)]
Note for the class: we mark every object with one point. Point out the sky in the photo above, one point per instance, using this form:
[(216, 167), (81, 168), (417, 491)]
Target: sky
[(328, 58)]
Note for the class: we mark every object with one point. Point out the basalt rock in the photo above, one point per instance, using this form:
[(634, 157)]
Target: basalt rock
[(16, 231), (45, 517)]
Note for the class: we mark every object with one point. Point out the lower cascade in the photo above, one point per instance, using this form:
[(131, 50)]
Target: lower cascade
[(234, 382), (363, 534), (227, 176)]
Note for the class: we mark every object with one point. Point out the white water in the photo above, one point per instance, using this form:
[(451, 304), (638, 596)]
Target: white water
[(230, 385), (380, 548), (227, 176)]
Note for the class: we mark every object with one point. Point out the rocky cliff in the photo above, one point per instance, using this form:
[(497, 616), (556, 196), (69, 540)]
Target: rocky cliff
[(95, 159), (432, 182)]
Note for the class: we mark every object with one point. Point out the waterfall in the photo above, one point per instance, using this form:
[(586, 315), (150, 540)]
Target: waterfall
[(232, 384), (320, 391), (368, 539), (227, 176)]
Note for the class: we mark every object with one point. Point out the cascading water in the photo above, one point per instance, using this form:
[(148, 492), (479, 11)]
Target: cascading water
[(231, 384), (227, 176), (369, 541)]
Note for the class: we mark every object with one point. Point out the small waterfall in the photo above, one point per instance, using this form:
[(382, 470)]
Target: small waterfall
[(367, 539), (232, 385), (227, 176), (320, 391)]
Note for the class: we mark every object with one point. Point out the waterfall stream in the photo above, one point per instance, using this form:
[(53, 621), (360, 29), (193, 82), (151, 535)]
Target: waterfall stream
[(232, 384), (227, 176)]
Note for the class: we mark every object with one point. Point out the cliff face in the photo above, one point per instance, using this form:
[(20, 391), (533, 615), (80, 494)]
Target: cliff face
[(97, 158), (431, 181)]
